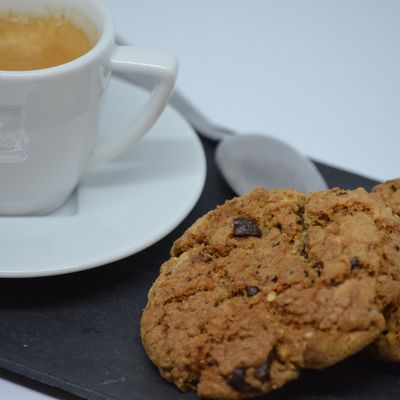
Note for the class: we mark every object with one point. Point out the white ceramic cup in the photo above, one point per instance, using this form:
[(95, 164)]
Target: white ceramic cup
[(49, 118)]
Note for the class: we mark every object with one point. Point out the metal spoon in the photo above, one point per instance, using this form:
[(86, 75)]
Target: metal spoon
[(249, 160)]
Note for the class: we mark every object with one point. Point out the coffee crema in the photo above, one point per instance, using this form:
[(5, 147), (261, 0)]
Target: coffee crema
[(31, 43)]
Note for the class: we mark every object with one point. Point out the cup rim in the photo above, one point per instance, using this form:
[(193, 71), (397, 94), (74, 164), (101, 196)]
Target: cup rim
[(106, 38)]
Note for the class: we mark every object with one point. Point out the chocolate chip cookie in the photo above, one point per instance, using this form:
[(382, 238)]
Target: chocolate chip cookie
[(387, 345), (271, 283)]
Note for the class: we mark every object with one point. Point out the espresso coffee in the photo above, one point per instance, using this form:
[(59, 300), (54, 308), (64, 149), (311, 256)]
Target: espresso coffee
[(30, 43)]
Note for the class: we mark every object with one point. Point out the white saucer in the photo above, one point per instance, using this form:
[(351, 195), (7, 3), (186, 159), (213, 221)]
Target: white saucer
[(119, 208)]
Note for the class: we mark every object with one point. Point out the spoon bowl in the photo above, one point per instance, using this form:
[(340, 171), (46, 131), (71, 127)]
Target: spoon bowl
[(248, 161)]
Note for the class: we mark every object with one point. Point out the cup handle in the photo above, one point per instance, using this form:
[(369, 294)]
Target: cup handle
[(158, 65)]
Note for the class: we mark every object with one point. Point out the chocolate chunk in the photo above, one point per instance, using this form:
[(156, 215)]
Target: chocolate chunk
[(252, 290), (245, 226), (262, 371), (323, 219), (237, 379), (355, 263), (272, 278)]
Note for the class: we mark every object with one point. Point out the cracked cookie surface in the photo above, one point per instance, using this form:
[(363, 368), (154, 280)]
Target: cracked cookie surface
[(271, 283), (387, 345)]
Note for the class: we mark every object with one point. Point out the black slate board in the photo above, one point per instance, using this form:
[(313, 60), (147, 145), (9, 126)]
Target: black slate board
[(80, 332)]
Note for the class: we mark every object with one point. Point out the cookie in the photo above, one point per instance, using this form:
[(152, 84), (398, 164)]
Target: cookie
[(389, 192), (387, 346), (271, 283)]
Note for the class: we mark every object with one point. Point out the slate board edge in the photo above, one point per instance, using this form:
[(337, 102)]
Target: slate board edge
[(50, 380)]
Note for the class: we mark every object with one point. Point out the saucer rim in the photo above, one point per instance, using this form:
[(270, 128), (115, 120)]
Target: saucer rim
[(127, 250)]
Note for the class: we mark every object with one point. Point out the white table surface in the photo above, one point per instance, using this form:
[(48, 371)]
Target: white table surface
[(321, 75)]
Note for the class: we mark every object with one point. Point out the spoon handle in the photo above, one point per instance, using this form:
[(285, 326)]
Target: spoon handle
[(197, 119), (192, 114)]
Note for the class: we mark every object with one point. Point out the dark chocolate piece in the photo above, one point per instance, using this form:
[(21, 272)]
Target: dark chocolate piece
[(245, 226), (262, 371), (237, 379), (355, 263), (252, 290)]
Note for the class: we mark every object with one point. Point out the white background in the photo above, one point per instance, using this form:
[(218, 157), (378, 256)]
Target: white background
[(320, 74)]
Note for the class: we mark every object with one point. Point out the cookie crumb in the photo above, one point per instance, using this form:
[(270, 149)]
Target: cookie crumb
[(271, 296)]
